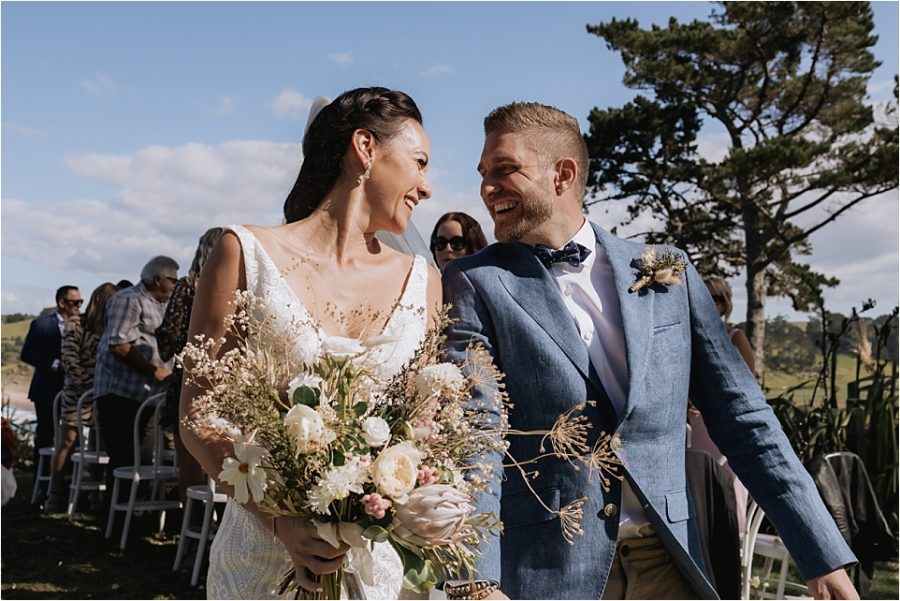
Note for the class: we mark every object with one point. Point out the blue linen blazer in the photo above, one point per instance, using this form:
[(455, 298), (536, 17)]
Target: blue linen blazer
[(676, 349)]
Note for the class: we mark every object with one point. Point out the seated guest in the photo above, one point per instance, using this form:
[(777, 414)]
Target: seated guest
[(455, 235), (171, 336), (129, 368), (79, 356)]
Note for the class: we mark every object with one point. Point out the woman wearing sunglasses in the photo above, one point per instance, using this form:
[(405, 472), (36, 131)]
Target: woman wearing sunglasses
[(455, 235)]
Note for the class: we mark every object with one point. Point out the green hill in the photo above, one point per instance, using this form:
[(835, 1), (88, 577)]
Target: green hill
[(16, 373)]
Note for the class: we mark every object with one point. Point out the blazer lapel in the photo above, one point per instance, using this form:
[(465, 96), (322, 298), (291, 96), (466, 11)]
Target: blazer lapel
[(531, 286), (636, 309)]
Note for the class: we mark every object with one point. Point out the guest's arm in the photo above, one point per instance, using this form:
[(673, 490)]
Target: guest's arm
[(34, 350)]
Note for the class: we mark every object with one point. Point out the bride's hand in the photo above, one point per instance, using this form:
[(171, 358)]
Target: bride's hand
[(310, 553)]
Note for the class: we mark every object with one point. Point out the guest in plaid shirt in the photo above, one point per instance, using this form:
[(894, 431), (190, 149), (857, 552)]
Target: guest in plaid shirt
[(129, 368)]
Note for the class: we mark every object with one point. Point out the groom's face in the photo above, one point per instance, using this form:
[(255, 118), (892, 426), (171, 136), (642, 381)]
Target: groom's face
[(516, 186)]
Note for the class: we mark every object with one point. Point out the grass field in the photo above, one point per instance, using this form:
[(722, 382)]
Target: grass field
[(46, 557), (779, 382)]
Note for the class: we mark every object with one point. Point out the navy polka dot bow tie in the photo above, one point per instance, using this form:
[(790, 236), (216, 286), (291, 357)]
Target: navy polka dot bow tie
[(571, 253)]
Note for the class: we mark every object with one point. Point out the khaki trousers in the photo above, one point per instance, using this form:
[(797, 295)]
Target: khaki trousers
[(643, 569)]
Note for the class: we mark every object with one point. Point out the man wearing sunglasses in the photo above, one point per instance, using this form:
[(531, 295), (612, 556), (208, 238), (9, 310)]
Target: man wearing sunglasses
[(42, 349)]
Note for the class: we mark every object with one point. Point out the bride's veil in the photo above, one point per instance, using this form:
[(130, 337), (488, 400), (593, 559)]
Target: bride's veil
[(411, 241)]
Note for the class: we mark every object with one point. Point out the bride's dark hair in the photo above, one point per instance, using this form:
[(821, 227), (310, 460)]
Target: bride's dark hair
[(378, 110)]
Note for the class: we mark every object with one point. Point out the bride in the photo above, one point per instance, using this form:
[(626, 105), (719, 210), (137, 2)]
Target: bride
[(364, 170)]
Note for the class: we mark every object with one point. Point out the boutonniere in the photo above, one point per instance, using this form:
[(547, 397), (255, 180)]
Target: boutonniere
[(662, 270)]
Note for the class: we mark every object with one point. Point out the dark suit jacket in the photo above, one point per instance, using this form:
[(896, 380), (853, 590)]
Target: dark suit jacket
[(42, 347)]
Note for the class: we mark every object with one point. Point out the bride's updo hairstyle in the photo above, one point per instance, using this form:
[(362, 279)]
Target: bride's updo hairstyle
[(378, 110)]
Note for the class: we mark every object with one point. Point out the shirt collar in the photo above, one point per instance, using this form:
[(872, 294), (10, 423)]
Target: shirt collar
[(586, 237)]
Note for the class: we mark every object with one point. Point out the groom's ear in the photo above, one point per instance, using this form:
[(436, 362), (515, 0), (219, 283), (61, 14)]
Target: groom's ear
[(566, 172), (362, 144)]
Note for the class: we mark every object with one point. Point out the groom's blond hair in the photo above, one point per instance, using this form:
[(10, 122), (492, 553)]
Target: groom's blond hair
[(550, 132)]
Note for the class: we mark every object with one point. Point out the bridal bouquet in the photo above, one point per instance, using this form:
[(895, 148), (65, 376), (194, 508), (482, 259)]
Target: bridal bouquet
[(317, 434)]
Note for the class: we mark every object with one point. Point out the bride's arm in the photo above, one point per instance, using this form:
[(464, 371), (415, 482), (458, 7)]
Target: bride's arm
[(222, 275), (435, 294)]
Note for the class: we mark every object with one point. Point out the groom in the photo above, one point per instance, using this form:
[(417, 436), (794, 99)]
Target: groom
[(565, 329)]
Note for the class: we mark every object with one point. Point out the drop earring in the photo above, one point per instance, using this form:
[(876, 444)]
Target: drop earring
[(368, 170)]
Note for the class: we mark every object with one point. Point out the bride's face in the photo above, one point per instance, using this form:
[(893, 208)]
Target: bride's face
[(398, 181)]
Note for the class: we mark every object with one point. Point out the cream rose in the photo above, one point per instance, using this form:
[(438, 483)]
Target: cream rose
[(432, 515), (376, 431), (395, 469), (306, 426)]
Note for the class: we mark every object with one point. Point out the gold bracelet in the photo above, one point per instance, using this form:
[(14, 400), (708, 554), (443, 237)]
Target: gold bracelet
[(475, 589)]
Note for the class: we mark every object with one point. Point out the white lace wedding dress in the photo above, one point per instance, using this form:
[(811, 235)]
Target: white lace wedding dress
[(247, 561)]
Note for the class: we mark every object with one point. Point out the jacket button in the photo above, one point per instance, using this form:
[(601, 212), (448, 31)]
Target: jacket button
[(615, 442), (610, 510)]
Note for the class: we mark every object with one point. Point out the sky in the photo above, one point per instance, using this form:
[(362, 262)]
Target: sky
[(130, 128)]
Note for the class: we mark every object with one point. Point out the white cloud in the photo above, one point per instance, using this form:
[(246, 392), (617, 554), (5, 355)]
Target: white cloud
[(713, 147), (342, 59), (435, 70), (99, 85), (292, 104), (164, 198), (24, 130), (224, 107), (880, 88)]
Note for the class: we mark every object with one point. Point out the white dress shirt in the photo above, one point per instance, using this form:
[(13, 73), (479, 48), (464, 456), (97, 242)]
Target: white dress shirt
[(589, 292)]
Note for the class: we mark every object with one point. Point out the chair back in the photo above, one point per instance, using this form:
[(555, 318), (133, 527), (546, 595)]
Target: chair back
[(150, 413)]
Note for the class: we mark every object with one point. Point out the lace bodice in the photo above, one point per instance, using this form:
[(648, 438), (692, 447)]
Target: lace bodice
[(246, 561)]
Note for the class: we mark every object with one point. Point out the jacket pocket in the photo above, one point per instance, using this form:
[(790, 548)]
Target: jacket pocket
[(524, 509), (664, 328), (677, 508)]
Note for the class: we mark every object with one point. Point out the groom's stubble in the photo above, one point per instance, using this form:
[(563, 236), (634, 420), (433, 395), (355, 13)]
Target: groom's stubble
[(536, 210)]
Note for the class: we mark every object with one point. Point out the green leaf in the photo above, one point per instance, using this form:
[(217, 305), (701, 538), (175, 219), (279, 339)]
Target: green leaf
[(360, 408), (337, 458), (418, 574), (306, 396), (376, 533), (446, 476)]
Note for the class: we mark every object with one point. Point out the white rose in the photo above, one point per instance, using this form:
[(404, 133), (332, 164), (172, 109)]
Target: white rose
[(306, 426), (339, 347), (434, 379), (395, 469), (376, 431)]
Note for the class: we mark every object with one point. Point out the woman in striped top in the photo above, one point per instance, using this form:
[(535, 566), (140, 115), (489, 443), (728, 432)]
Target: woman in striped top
[(79, 356)]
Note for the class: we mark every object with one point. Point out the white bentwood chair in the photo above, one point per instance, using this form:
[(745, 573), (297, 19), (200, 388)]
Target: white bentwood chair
[(771, 548), (45, 455), (88, 453), (209, 496), (156, 472)]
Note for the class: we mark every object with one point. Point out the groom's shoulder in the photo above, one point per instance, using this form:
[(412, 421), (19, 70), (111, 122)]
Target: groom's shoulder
[(498, 255)]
